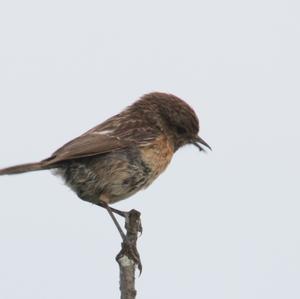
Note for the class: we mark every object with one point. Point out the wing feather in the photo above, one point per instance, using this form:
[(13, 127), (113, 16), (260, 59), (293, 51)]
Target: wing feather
[(132, 127), (86, 146), (113, 134)]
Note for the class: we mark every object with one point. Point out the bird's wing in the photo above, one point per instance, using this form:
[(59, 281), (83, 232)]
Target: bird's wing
[(85, 146), (106, 137)]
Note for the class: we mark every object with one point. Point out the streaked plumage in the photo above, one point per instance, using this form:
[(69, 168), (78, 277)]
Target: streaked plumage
[(125, 153)]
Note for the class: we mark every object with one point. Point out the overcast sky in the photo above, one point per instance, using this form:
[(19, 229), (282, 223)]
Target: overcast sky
[(218, 225)]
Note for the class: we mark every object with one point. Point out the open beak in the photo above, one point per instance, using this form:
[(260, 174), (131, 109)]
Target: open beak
[(198, 141)]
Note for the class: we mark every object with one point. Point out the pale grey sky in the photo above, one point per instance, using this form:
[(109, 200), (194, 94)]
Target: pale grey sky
[(222, 225)]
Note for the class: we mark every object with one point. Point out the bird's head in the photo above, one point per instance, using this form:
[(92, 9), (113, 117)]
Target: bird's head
[(178, 119)]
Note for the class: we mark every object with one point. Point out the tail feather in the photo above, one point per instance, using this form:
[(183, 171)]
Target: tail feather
[(24, 168)]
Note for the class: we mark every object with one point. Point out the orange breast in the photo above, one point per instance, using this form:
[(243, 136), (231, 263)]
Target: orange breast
[(157, 155)]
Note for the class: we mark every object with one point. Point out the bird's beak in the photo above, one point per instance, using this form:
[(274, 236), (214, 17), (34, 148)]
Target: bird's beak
[(198, 140)]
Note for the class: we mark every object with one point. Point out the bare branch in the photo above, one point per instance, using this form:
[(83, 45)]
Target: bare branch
[(129, 258)]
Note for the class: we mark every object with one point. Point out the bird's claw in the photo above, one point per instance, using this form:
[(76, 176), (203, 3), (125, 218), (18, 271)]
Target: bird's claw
[(131, 252)]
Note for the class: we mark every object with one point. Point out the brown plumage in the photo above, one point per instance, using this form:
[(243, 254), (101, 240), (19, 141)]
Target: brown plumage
[(125, 153)]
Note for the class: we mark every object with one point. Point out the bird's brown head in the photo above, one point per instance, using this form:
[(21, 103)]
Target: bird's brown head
[(174, 116)]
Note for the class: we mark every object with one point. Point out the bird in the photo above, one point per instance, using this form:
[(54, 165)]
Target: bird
[(125, 153)]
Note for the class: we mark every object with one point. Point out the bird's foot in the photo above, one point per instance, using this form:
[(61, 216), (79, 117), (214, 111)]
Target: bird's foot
[(127, 216), (130, 250)]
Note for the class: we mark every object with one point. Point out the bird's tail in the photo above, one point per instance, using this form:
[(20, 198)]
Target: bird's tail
[(25, 168)]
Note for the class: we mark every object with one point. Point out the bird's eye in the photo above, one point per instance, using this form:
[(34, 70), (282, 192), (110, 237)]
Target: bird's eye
[(181, 130)]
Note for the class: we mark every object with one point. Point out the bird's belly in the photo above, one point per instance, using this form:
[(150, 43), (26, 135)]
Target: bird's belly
[(117, 175)]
